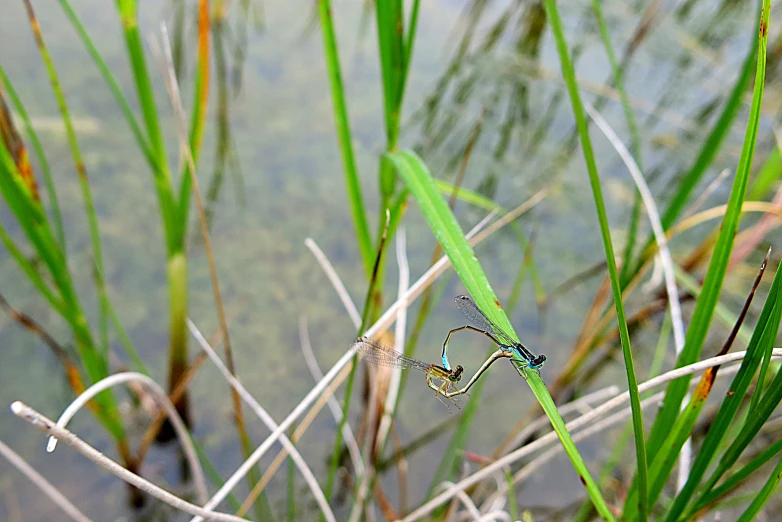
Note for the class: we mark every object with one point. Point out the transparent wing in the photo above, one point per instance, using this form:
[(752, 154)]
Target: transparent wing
[(479, 320), (377, 353)]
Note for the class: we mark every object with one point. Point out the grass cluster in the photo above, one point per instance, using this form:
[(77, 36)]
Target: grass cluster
[(679, 473)]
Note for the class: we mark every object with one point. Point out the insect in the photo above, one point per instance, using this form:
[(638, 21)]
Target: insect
[(383, 355), (487, 327)]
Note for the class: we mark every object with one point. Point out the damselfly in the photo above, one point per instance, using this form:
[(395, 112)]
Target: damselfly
[(499, 354), (377, 353), (487, 327)]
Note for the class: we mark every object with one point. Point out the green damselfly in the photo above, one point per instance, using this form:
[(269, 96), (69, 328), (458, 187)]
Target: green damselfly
[(377, 353)]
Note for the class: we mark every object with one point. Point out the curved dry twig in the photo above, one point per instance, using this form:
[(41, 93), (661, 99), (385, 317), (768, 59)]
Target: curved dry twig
[(657, 227), (466, 501), (267, 419), (44, 485), (50, 427), (336, 282), (336, 410), (162, 399), (393, 385), (399, 339)]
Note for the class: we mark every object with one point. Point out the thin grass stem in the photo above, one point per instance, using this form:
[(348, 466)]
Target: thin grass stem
[(49, 427), (162, 399), (46, 487)]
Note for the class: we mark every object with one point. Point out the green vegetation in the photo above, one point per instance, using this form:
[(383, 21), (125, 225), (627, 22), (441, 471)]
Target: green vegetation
[(621, 314)]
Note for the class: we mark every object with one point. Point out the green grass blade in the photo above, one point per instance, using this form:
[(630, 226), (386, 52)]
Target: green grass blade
[(128, 10), (81, 171), (146, 95), (449, 465), (395, 48), (409, 44), (718, 265), (448, 233), (44, 164), (31, 273), (392, 49), (35, 224), (763, 495), (738, 477), (32, 220), (569, 74), (513, 508), (110, 80), (755, 421), (127, 344), (618, 448), (342, 123), (36, 227), (770, 398), (713, 143), (291, 482), (468, 196), (766, 177), (762, 338), (479, 200), (197, 119), (664, 463), (172, 217), (214, 475)]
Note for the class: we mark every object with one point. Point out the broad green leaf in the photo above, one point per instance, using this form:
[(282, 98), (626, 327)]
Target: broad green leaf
[(449, 234)]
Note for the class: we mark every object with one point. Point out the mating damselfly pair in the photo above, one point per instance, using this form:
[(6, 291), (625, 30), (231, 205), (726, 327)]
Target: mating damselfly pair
[(378, 353)]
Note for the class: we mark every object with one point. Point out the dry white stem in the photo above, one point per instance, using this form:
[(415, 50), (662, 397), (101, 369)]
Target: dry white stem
[(44, 485), (336, 410), (396, 374), (49, 427), (481, 224), (654, 219), (510, 216), (715, 183), (599, 426), (399, 339), (162, 399), (499, 502), (551, 438), (314, 394), (656, 278), (267, 419), (385, 320), (166, 63), (581, 404), (336, 281), (495, 515), (464, 499)]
